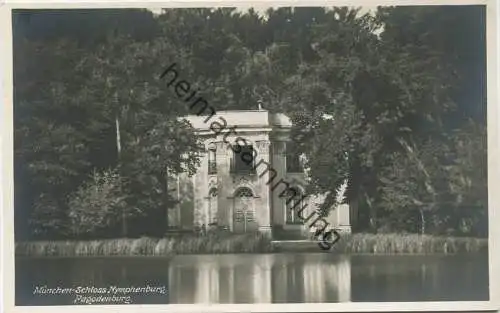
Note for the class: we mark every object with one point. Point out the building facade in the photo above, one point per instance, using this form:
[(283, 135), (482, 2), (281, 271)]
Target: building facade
[(247, 181)]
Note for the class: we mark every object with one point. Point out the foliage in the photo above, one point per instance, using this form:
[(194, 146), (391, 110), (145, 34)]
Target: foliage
[(97, 204), (47, 219), (392, 102), (66, 124), (379, 110)]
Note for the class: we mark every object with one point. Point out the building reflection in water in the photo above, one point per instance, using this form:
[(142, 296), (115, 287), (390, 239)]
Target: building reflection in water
[(270, 278)]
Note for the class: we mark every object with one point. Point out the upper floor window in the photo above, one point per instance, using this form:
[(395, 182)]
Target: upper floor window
[(213, 192), (243, 161), (293, 164), (212, 161)]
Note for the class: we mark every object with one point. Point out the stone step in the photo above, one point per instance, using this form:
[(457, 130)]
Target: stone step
[(296, 245)]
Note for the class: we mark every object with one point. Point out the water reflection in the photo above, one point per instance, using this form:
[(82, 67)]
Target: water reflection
[(259, 279), (420, 278), (263, 278)]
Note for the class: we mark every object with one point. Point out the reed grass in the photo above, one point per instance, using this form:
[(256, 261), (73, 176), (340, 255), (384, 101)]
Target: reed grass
[(408, 244), (251, 243), (145, 246)]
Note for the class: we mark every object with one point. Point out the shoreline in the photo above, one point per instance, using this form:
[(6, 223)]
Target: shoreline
[(356, 244)]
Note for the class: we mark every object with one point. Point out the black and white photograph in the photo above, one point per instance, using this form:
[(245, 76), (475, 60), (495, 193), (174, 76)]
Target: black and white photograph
[(250, 155)]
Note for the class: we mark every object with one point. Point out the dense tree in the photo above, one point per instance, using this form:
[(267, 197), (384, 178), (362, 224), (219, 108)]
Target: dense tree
[(393, 102), (388, 100), (107, 106)]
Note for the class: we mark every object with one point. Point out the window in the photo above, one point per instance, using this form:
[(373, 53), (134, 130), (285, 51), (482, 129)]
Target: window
[(292, 159), (244, 192), (243, 160), (212, 206), (212, 162), (212, 193), (293, 204)]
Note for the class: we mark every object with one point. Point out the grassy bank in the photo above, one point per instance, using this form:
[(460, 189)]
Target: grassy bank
[(251, 243), (245, 243), (408, 244)]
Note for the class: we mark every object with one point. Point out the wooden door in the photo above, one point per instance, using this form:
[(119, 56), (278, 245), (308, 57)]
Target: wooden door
[(243, 212)]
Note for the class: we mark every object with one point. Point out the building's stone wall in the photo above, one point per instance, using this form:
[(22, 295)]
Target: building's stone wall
[(268, 134)]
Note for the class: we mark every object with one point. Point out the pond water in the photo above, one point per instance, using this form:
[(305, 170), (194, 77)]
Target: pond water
[(256, 278)]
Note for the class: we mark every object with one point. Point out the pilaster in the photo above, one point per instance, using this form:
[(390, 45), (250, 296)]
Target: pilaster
[(265, 200)]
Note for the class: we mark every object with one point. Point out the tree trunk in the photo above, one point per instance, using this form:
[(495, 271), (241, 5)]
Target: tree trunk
[(422, 221), (354, 213), (373, 213), (166, 198), (119, 150)]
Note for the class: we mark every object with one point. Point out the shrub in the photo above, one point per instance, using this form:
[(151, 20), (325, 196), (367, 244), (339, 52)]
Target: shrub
[(97, 205)]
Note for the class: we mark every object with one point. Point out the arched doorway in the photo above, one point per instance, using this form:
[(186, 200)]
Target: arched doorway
[(244, 211)]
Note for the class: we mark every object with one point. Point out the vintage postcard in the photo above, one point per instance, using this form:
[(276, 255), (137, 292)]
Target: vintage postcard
[(216, 158)]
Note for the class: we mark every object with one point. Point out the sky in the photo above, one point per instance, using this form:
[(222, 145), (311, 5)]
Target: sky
[(364, 9), (263, 9)]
